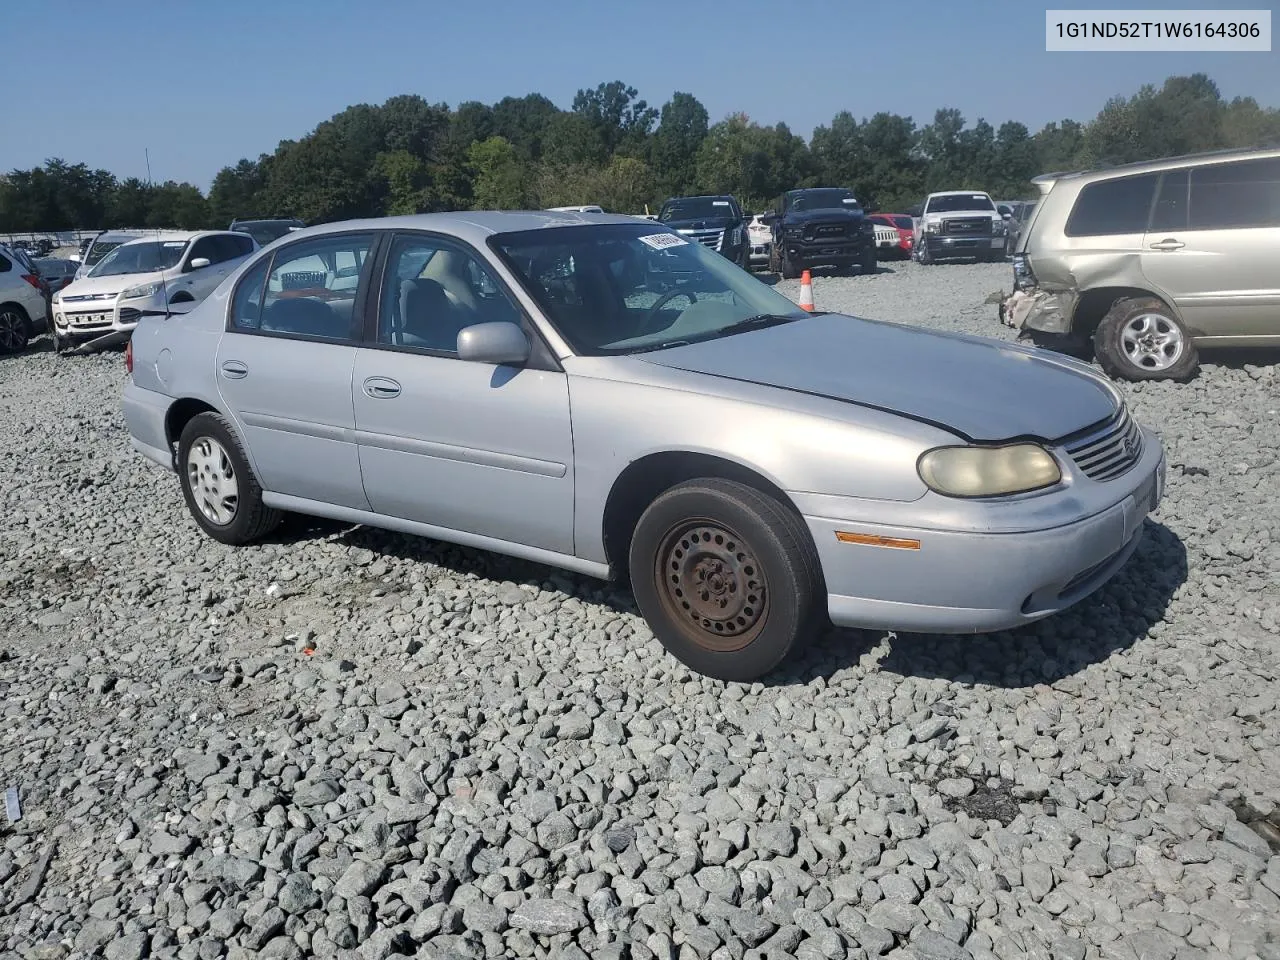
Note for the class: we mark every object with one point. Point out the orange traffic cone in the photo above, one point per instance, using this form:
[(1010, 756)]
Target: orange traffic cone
[(806, 291)]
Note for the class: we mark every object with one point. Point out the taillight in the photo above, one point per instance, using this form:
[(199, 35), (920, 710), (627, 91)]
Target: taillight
[(33, 280), (128, 357)]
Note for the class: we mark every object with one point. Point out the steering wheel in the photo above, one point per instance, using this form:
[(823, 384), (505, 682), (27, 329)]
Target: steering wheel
[(647, 321)]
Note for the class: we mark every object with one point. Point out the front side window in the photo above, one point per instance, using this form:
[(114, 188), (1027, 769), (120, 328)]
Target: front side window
[(148, 256), (1170, 212), (1236, 196), (431, 290), (618, 288), (1112, 207), (312, 288)]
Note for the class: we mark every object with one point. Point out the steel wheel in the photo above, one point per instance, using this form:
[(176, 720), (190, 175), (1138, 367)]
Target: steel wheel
[(712, 585), (13, 331), (212, 479), (1152, 342)]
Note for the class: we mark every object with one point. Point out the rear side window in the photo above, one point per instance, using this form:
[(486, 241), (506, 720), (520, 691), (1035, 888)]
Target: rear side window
[(1236, 196), (5, 265), (1110, 207), (246, 306)]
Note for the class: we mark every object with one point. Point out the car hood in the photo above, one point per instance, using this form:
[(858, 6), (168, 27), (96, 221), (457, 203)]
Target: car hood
[(985, 390), (109, 286)]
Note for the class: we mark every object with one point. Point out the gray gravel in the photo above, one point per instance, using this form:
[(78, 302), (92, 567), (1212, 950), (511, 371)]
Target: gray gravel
[(483, 758)]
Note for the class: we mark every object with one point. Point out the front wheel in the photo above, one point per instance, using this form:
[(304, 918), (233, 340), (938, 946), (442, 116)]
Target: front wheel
[(789, 270), (218, 484), (1140, 339), (727, 578)]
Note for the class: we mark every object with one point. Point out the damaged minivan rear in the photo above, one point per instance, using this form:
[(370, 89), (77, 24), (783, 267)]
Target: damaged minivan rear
[(1146, 264)]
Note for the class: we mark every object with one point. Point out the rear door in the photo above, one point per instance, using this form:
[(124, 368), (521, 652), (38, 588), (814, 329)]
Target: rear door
[(284, 366), (1214, 246)]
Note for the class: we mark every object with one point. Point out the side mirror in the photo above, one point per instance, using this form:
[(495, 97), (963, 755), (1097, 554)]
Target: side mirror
[(199, 263), (500, 342)]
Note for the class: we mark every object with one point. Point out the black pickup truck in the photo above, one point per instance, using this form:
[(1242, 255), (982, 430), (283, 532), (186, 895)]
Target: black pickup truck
[(715, 222), (821, 226)]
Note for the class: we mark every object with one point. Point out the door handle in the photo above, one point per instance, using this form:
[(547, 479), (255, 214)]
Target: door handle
[(1168, 244), (234, 370), (381, 388)]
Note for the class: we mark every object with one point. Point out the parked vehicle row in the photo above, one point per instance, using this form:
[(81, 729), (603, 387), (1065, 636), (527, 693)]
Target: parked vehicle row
[(1148, 263), (578, 391), (24, 308)]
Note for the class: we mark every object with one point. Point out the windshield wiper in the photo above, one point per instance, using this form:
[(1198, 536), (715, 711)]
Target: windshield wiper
[(761, 320)]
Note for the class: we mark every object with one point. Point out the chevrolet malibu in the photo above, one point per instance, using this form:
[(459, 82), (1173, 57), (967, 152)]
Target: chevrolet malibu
[(597, 393)]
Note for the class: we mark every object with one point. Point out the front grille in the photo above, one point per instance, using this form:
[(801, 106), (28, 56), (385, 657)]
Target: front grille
[(302, 279), (825, 231), (88, 297), (967, 227), (711, 237), (887, 236), (1109, 451)]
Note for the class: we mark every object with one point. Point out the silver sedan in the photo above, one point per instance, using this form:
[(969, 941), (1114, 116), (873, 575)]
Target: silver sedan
[(596, 393)]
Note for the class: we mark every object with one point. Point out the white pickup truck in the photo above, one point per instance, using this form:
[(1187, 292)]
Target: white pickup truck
[(959, 224)]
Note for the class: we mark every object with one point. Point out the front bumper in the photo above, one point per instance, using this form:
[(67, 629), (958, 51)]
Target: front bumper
[(1042, 310), (86, 321), (833, 252), (943, 247), (760, 251), (978, 582)]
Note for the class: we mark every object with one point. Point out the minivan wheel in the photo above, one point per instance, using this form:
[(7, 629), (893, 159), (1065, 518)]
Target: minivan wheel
[(1140, 339), (15, 332), (219, 486), (726, 577)]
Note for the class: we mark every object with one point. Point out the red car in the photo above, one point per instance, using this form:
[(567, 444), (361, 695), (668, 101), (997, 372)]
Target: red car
[(900, 222)]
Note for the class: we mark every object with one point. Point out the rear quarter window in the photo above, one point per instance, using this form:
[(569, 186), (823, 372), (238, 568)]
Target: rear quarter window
[(1112, 207), (1236, 196)]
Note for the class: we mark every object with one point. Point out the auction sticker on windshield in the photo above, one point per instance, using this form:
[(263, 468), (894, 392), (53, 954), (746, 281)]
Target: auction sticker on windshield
[(660, 241)]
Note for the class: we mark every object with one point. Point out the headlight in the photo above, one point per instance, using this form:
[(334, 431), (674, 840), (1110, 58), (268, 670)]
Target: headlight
[(1023, 277), (988, 471), (140, 291), (933, 226), (999, 226), (57, 298)]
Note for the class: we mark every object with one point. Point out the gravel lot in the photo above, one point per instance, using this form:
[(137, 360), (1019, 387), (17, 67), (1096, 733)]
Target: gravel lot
[(347, 742)]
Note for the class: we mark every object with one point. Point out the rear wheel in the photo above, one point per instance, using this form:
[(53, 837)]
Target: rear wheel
[(15, 329), (727, 578), (789, 270), (1140, 339), (218, 484)]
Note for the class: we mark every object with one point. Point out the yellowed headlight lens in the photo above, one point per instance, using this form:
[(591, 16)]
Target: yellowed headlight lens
[(988, 471)]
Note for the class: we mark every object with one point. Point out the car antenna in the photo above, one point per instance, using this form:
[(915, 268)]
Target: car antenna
[(164, 287)]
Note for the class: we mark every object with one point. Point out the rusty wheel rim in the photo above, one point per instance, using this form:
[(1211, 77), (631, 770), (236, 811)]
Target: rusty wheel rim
[(712, 585)]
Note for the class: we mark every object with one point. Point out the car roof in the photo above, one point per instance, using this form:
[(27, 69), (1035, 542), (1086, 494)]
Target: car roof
[(1102, 172), (960, 193), (473, 225), (154, 235)]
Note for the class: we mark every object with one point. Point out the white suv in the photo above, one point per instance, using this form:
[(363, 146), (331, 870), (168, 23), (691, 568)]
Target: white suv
[(23, 314), (151, 275), (101, 245)]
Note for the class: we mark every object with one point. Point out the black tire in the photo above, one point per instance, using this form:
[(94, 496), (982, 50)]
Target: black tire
[(15, 328), (922, 255), (251, 518), (775, 265), (789, 270), (752, 542), (1144, 362)]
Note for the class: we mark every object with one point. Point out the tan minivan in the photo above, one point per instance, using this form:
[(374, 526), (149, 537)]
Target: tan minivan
[(1151, 261)]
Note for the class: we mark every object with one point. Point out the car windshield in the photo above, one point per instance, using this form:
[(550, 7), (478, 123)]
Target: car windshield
[(695, 208), (140, 257), (100, 249), (619, 289), (266, 231), (953, 203), (902, 223), (822, 200)]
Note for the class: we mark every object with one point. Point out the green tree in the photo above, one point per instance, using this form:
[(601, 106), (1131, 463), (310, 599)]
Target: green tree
[(500, 177), (673, 151)]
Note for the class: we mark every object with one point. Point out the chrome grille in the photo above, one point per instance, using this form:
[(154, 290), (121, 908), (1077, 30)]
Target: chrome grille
[(1109, 451), (711, 237), (887, 236)]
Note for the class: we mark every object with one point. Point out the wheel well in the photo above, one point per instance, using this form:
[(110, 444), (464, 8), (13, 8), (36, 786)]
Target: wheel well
[(1094, 304), (182, 296), (19, 307), (180, 414), (644, 479)]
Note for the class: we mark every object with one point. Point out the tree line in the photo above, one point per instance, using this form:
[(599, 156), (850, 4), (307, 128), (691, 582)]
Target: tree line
[(613, 148)]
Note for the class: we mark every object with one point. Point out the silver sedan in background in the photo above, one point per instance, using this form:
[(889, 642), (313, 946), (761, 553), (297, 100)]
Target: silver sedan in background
[(596, 393)]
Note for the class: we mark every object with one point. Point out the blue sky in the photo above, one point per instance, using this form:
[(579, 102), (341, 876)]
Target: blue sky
[(203, 84)]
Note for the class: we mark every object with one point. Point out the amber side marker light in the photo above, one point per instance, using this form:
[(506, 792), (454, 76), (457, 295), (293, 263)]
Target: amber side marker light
[(872, 540)]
